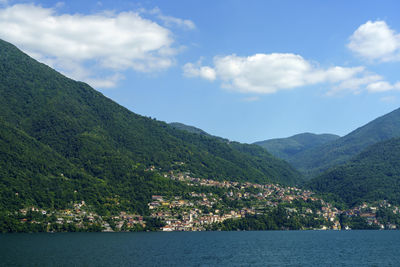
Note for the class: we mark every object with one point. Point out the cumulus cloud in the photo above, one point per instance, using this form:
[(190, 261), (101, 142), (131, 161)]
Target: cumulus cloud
[(376, 41), (380, 86), (106, 41), (383, 86), (269, 73), (354, 84), (195, 70)]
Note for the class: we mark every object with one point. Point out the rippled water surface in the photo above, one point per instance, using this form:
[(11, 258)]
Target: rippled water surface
[(266, 248)]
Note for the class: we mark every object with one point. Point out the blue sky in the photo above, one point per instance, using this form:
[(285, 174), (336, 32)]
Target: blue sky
[(243, 70)]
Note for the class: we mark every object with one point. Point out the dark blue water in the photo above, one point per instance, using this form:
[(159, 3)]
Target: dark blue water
[(269, 248)]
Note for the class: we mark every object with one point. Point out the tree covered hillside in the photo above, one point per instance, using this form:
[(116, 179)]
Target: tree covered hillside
[(372, 175), (33, 174), (101, 148)]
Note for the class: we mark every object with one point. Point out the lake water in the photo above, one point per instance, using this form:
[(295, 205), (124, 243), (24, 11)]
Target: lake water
[(264, 248)]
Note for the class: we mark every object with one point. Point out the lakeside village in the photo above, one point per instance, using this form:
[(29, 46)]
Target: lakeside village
[(225, 204)]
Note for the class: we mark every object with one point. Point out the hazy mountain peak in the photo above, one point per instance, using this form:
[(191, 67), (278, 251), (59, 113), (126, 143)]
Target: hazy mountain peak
[(288, 148)]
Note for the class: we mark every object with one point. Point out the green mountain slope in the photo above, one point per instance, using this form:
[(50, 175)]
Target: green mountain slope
[(314, 161), (265, 162), (288, 148), (91, 136), (33, 174), (372, 175), (25, 161)]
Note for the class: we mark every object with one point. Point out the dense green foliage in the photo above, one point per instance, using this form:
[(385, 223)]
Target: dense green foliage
[(313, 161), (32, 174), (63, 141), (288, 148), (357, 223), (386, 216), (233, 151), (277, 219), (373, 175)]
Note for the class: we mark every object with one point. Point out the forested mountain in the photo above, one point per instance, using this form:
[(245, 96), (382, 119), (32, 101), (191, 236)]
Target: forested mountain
[(75, 140), (288, 148), (372, 175), (314, 161), (33, 174)]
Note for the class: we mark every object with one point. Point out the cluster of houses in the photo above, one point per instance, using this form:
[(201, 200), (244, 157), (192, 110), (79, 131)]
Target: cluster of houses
[(82, 217), (78, 215), (189, 215)]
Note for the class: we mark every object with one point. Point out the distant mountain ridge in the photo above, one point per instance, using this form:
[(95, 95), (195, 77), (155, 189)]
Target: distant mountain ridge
[(312, 162), (372, 175), (288, 148)]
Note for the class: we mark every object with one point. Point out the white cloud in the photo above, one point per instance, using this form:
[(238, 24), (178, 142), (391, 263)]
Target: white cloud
[(104, 41), (194, 70), (380, 86), (383, 86), (107, 82), (354, 84), (269, 73), (183, 23), (170, 21), (376, 41)]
